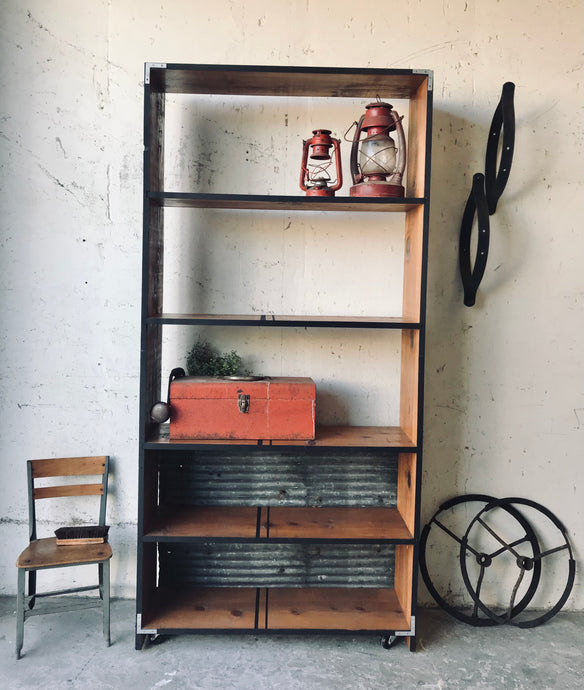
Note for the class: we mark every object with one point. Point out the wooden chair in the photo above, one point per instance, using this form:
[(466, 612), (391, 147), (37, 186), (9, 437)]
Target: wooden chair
[(42, 554)]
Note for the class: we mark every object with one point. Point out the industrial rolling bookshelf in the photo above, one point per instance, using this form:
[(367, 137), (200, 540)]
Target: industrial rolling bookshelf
[(264, 535)]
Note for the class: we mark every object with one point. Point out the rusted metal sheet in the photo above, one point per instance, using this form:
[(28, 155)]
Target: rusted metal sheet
[(267, 478), (277, 565)]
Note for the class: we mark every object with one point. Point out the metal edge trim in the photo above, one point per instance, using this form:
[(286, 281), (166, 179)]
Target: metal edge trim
[(407, 633), (143, 631), (150, 65), (429, 73)]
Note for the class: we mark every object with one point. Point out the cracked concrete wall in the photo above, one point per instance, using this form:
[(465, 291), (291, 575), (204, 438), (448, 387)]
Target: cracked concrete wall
[(504, 394)]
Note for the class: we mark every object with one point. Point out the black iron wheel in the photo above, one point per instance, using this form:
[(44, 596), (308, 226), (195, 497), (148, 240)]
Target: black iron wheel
[(556, 548), (452, 511)]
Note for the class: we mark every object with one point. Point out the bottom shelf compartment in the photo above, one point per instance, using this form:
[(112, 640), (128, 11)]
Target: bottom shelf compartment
[(325, 608), (205, 608), (318, 608)]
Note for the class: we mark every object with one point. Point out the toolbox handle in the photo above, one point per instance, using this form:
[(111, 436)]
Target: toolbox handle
[(160, 411)]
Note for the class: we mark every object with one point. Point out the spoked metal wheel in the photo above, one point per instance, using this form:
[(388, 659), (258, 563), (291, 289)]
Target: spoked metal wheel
[(446, 538), (551, 554)]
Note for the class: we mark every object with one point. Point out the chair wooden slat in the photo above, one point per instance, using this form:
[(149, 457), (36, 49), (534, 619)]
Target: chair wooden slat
[(65, 467), (44, 553), (72, 490)]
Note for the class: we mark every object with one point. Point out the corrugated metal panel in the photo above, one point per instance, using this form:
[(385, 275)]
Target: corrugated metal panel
[(277, 565), (269, 479)]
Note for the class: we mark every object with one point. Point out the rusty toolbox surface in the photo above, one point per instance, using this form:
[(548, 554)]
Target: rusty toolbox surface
[(268, 408)]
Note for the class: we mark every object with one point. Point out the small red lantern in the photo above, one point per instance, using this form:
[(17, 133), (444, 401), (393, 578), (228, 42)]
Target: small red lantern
[(315, 179), (377, 165)]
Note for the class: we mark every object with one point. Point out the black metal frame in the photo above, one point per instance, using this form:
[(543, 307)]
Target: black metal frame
[(160, 79)]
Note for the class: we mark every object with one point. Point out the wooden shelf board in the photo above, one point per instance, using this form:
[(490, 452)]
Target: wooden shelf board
[(351, 523), (318, 608), (326, 436), (277, 202), (283, 321), (315, 82), (286, 523), (205, 608), (335, 609), (206, 521), (357, 437)]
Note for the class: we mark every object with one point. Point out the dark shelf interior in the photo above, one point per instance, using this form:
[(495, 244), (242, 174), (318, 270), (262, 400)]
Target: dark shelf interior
[(254, 80), (284, 203)]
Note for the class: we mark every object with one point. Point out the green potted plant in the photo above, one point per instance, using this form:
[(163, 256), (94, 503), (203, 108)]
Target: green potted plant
[(205, 360)]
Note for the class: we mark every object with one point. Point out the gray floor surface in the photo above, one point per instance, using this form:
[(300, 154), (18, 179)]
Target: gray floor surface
[(66, 650)]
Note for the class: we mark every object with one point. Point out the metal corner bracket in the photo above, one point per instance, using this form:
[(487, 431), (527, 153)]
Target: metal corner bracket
[(150, 65), (143, 631), (429, 73), (407, 633)]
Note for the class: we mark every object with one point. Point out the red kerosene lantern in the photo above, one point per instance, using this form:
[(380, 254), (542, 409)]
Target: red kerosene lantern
[(315, 179), (377, 165)]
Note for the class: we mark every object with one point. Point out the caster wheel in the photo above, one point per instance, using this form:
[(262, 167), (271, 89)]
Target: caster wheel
[(387, 641)]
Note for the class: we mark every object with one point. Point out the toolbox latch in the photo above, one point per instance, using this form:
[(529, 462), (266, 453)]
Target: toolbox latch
[(243, 403)]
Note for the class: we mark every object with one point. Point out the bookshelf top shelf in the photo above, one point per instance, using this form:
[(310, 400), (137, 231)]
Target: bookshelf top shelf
[(254, 80), (259, 202)]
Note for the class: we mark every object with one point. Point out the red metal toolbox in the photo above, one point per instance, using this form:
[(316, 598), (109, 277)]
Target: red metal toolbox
[(268, 408)]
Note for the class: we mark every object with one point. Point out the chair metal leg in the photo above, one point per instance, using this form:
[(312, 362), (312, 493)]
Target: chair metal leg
[(100, 579), (32, 575), (20, 611), (105, 571)]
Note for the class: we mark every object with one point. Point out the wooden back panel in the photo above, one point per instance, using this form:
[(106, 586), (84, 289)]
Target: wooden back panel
[(68, 467)]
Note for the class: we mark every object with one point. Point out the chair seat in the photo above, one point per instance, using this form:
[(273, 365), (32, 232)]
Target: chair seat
[(44, 553)]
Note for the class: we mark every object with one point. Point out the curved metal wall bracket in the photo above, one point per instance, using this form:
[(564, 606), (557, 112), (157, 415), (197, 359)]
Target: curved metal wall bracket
[(485, 194), (471, 277), (503, 119)]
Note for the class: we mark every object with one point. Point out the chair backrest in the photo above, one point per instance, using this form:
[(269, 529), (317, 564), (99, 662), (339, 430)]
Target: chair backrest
[(67, 467)]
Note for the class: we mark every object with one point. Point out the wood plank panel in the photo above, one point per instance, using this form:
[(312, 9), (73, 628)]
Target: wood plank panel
[(206, 521), (68, 490), (403, 578), (278, 202), (336, 523), (326, 436), (413, 252), (406, 489), (45, 553), (205, 608), (67, 467), (417, 130), (409, 385), (356, 436), (272, 320), (285, 81), (335, 609)]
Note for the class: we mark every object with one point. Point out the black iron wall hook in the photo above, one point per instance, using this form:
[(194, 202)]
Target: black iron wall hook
[(471, 277), (485, 194), (503, 119)]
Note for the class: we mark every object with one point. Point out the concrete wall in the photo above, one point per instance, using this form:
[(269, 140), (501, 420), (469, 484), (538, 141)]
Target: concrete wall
[(504, 379)]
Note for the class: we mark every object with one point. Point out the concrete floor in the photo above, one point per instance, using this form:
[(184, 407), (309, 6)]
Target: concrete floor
[(66, 650)]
